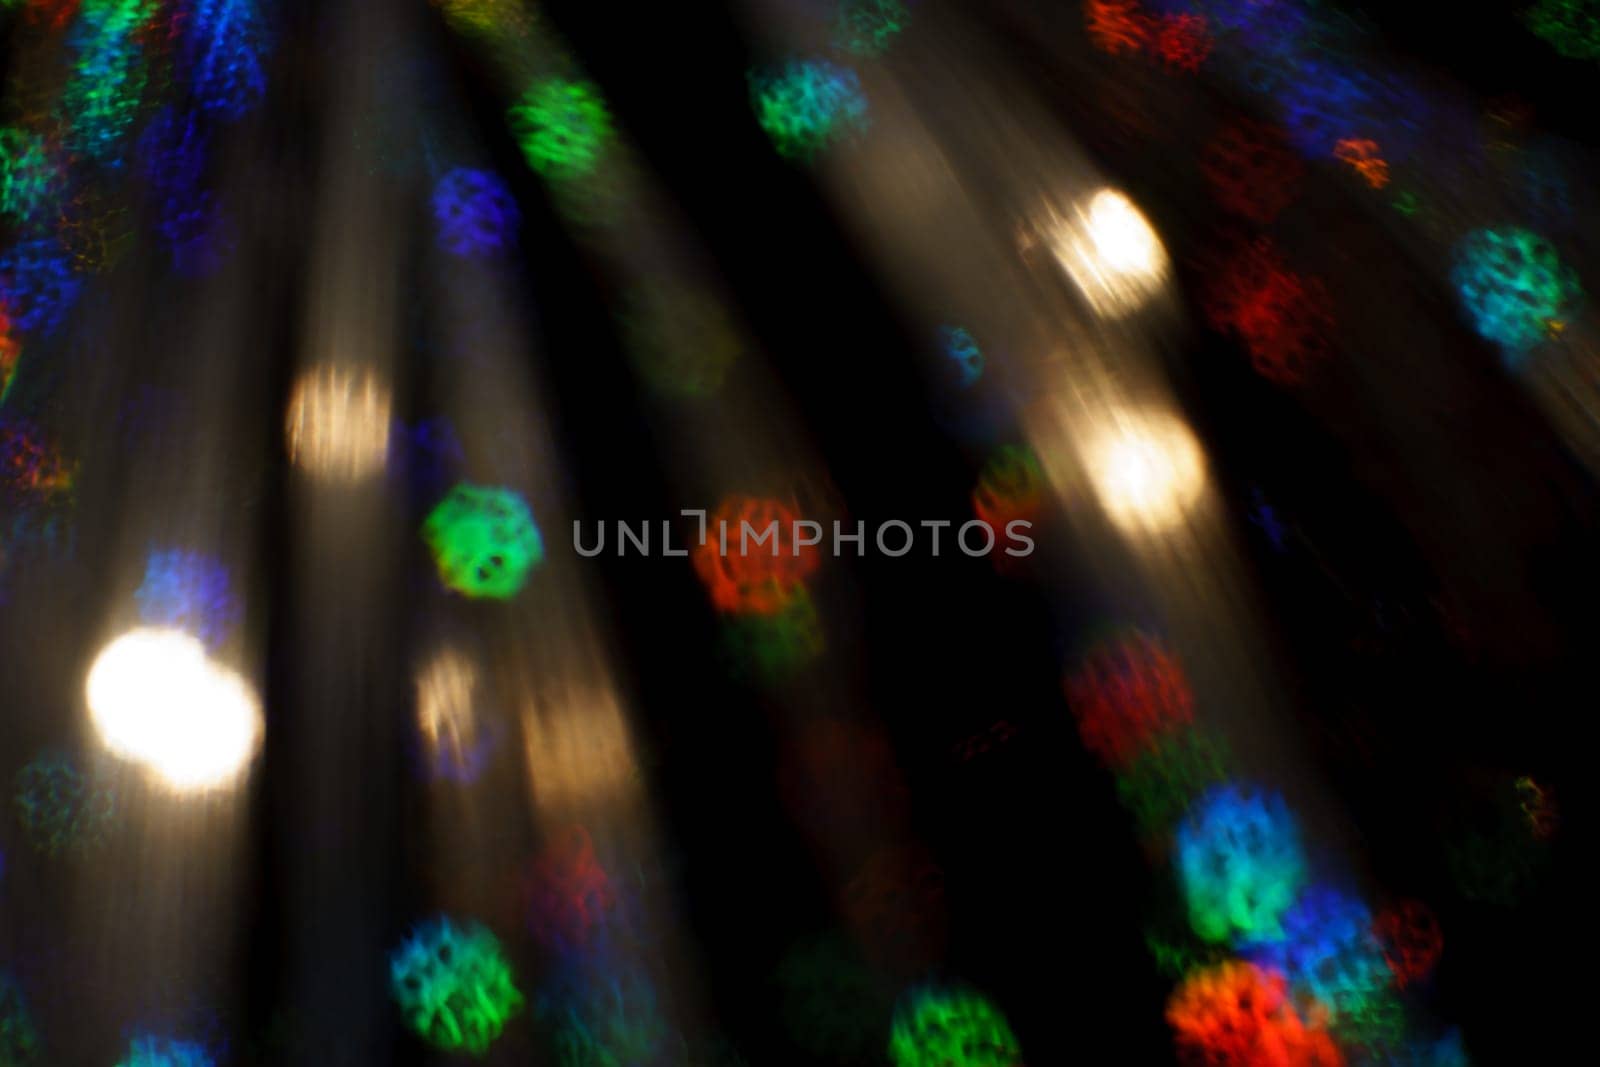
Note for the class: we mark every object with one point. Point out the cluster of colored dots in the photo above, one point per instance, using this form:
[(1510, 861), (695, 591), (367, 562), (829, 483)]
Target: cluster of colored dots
[(961, 349), (1011, 487), (484, 541), (1282, 317), (1572, 27), (1514, 287), (454, 985), (935, 1027), (1364, 156), (1182, 41), (1240, 864), (806, 106), (754, 567), (475, 212), (563, 128), (1128, 695), (751, 561), (1237, 1013)]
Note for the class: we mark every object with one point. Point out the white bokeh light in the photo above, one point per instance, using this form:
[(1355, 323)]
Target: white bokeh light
[(338, 423), (1112, 254), (157, 699), (1148, 470)]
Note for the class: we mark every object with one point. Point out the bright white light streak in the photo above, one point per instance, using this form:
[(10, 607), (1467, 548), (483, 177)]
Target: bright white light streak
[(157, 699), (1147, 469), (1111, 253)]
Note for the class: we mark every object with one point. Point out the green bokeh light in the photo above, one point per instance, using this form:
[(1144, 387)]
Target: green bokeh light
[(484, 541), (866, 27), (951, 1028), (806, 106), (563, 127), (454, 986), (1571, 27)]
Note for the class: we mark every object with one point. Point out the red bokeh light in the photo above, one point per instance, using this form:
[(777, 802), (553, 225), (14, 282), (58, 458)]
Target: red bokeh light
[(1252, 170), (1283, 319), (1125, 695), (751, 578), (1119, 27), (1236, 1014), (1366, 157), (1411, 938), (1183, 41), (568, 895)]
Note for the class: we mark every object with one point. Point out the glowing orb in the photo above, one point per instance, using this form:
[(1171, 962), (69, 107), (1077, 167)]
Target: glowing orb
[(1514, 286), (1010, 487), (19, 1040), (562, 127), (60, 810), (1571, 27), (751, 561), (1239, 863), (1284, 320), (165, 1052), (1112, 254), (156, 699), (1147, 470), (187, 591), (476, 213), (484, 541), (1238, 1014), (454, 985), (456, 740), (948, 1027), (1127, 694), (1329, 953), (806, 106), (338, 423), (961, 350)]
